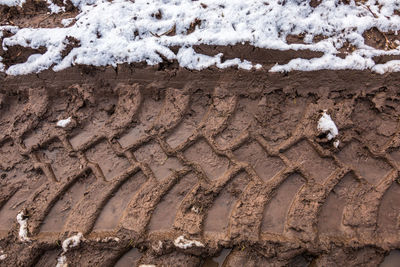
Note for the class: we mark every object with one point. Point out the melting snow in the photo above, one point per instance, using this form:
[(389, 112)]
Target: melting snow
[(23, 227), (183, 243), (124, 31), (326, 125)]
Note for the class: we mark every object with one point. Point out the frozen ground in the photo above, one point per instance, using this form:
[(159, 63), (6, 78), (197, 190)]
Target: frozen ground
[(120, 31)]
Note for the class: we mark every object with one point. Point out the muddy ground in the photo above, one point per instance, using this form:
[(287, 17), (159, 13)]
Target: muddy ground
[(229, 158)]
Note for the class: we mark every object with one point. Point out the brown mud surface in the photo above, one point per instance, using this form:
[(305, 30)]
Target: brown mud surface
[(229, 158)]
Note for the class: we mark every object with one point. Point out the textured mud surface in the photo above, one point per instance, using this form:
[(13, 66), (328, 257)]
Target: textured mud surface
[(231, 159)]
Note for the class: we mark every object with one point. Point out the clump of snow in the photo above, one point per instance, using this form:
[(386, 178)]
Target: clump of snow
[(23, 227), (195, 209), (188, 58), (68, 243), (326, 125), (125, 31), (355, 61), (390, 66), (336, 143), (64, 123), (72, 241), (3, 256), (183, 243)]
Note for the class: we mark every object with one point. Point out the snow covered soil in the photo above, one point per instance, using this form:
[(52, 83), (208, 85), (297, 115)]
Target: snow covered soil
[(123, 31)]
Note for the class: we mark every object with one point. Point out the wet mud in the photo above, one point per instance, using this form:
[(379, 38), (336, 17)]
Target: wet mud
[(231, 159)]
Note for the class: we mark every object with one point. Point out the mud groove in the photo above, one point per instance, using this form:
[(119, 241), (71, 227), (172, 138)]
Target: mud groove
[(243, 171)]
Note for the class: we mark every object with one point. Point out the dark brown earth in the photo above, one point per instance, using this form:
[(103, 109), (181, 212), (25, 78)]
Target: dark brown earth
[(230, 158)]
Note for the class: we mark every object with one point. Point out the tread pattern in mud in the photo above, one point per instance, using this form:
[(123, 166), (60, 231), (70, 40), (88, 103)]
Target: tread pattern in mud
[(250, 172)]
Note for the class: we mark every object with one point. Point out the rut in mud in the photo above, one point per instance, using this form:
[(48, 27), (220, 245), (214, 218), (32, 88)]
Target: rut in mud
[(230, 163)]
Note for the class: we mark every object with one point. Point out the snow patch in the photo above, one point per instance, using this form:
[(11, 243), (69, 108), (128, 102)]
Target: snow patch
[(125, 31), (336, 143), (23, 227), (355, 61), (390, 66), (64, 123), (67, 22), (54, 9), (183, 243), (326, 125)]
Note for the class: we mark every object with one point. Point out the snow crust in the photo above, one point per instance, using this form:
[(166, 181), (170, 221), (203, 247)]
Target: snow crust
[(328, 126), (123, 31), (183, 243), (23, 227), (64, 123)]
